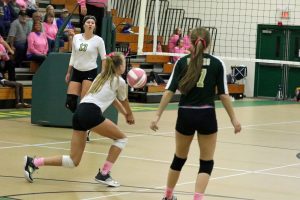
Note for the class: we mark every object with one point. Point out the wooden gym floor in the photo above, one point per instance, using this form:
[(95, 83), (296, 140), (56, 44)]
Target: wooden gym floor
[(260, 163)]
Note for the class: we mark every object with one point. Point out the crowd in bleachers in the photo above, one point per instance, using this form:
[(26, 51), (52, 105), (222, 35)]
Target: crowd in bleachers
[(179, 44), (29, 35)]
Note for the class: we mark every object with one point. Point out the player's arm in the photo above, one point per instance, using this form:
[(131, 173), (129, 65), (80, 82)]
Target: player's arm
[(128, 112), (166, 98), (226, 101)]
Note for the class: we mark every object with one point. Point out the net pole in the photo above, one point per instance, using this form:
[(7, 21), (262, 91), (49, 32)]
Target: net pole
[(141, 27), (156, 10)]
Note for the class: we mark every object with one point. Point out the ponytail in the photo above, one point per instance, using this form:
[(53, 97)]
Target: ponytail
[(200, 39), (113, 62)]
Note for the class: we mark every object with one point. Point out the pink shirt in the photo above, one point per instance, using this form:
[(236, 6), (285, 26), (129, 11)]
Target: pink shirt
[(3, 54), (186, 42), (172, 42), (50, 30), (97, 3), (178, 50), (37, 43)]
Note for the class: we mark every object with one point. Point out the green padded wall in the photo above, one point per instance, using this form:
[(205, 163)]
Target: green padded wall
[(49, 94)]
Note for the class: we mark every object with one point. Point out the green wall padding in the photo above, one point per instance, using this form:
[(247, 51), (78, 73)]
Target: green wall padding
[(49, 94)]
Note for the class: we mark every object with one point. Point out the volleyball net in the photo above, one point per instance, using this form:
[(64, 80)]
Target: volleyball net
[(250, 30)]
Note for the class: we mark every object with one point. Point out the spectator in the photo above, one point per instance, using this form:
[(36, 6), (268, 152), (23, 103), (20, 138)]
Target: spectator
[(15, 6), (36, 16), (173, 39), (7, 16), (6, 63), (49, 10), (179, 49), (50, 29), (18, 91), (29, 6), (95, 8), (69, 29), (17, 37), (187, 40), (159, 47), (37, 44)]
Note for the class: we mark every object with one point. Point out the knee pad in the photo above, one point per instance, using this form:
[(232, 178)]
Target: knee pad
[(71, 102), (177, 163), (67, 162), (121, 143), (206, 166)]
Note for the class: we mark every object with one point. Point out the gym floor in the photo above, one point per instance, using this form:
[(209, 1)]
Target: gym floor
[(259, 163)]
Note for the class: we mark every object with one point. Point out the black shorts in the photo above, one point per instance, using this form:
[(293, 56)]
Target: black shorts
[(87, 116), (79, 76), (203, 121)]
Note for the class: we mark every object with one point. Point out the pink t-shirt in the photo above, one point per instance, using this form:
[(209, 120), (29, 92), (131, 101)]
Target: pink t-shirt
[(50, 30), (37, 43), (186, 42), (178, 50), (172, 42), (3, 53), (97, 3)]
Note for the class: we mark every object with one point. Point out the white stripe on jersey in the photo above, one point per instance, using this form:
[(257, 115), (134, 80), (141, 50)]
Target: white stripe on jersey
[(224, 75)]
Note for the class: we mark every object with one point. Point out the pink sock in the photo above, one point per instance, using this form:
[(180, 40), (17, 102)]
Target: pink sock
[(38, 162), (198, 196), (169, 192), (106, 167)]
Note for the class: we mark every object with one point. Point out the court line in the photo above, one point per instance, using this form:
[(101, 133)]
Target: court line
[(274, 131), (212, 179)]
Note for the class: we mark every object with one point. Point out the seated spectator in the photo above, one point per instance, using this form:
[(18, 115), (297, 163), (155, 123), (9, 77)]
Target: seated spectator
[(179, 49), (173, 39), (7, 16), (50, 10), (51, 30), (158, 47), (37, 44), (36, 16), (17, 37), (29, 6), (6, 63), (18, 91), (187, 40), (15, 6), (69, 29)]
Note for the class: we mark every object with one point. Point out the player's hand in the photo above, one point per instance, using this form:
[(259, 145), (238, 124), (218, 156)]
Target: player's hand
[(237, 126), (67, 78), (129, 119), (153, 125), (83, 11)]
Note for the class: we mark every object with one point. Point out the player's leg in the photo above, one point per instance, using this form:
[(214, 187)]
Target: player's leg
[(88, 79), (207, 144), (108, 129), (69, 161), (183, 143)]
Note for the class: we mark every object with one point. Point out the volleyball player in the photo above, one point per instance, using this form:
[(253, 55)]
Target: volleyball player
[(196, 76), (107, 86), (83, 62), (95, 8)]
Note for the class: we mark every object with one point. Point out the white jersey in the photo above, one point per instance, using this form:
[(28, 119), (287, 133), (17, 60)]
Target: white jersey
[(117, 88), (85, 52)]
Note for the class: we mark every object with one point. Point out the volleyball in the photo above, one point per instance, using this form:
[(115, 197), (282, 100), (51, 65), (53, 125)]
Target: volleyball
[(136, 78)]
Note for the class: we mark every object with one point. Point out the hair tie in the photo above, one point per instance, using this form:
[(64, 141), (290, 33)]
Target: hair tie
[(202, 41), (111, 54)]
